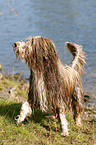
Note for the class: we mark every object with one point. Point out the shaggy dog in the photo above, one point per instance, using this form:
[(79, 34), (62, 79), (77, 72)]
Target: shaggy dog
[(53, 87)]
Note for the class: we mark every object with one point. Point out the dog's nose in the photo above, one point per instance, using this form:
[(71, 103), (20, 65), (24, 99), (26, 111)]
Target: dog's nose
[(14, 45)]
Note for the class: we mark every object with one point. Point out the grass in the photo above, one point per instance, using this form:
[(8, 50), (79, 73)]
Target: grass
[(38, 130), (5, 83), (1, 87)]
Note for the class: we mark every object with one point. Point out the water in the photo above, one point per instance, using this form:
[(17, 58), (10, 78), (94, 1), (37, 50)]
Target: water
[(61, 21)]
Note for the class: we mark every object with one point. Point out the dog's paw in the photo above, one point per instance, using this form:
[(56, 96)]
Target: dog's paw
[(65, 133), (18, 119), (52, 117), (78, 121)]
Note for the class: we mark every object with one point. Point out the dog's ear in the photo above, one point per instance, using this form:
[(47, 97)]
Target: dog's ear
[(43, 52)]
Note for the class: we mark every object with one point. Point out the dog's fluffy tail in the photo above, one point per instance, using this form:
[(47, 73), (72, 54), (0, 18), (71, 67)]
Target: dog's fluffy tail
[(78, 56)]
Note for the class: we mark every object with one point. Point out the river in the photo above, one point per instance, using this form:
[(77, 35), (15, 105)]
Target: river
[(61, 21)]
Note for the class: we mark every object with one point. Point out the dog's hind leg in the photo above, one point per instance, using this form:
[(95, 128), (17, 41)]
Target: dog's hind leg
[(25, 112), (64, 123), (77, 105)]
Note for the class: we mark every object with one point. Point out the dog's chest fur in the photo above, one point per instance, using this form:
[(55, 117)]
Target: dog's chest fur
[(41, 90)]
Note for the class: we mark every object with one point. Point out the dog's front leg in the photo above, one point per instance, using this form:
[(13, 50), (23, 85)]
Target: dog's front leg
[(64, 124), (25, 112)]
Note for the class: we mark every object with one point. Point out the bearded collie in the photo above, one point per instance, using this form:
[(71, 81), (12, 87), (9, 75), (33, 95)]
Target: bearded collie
[(53, 87)]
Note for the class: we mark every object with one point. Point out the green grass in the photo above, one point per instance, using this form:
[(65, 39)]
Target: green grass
[(8, 83), (1, 87), (40, 130)]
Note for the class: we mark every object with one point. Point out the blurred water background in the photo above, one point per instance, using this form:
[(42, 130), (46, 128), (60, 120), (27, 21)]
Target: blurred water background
[(61, 21)]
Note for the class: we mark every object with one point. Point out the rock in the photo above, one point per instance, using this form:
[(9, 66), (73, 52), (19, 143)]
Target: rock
[(10, 91)]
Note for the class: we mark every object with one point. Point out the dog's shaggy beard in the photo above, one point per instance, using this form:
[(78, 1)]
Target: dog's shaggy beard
[(53, 87)]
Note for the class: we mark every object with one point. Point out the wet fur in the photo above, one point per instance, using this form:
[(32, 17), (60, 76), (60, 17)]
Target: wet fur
[(53, 87)]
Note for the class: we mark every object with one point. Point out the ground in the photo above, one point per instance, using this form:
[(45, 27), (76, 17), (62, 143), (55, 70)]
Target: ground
[(39, 129)]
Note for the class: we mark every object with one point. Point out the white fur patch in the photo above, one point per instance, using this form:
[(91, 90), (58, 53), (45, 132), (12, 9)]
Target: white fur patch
[(25, 112), (40, 86), (78, 121), (79, 97), (64, 124), (20, 46), (38, 37)]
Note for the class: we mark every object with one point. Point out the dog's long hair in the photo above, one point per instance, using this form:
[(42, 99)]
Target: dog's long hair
[(52, 85)]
